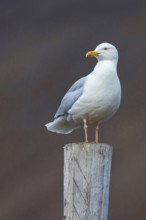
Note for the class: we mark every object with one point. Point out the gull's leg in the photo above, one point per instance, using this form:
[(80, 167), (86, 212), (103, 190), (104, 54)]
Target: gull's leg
[(96, 133), (85, 130)]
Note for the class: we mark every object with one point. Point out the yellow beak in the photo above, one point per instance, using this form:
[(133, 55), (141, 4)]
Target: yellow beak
[(92, 54)]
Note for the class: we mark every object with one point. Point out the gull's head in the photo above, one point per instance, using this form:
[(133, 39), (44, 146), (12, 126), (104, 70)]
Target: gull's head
[(104, 51)]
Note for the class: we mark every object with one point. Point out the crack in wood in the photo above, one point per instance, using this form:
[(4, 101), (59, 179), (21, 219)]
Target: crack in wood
[(85, 199), (76, 211), (80, 169)]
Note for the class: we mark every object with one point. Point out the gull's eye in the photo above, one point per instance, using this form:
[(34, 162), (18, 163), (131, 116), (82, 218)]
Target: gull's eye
[(105, 48)]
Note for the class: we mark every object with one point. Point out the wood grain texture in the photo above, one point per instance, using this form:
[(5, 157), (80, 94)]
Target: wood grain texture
[(87, 168)]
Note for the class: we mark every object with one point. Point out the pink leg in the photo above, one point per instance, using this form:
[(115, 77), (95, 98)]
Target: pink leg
[(96, 133), (85, 130)]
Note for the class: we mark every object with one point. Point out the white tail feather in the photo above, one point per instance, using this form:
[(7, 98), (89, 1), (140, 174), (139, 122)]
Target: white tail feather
[(61, 125)]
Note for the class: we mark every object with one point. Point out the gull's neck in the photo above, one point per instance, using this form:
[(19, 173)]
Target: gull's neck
[(106, 64)]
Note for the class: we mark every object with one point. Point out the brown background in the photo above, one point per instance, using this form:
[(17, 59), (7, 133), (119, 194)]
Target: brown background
[(42, 52)]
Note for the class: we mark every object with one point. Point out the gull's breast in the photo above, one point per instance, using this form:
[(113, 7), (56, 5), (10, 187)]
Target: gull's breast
[(100, 100)]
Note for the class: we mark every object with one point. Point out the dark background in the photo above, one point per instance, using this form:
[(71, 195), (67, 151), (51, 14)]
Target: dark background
[(42, 52)]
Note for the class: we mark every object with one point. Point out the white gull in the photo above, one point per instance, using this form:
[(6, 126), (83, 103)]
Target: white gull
[(93, 98)]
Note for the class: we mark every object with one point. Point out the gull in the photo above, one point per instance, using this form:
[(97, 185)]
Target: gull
[(93, 98)]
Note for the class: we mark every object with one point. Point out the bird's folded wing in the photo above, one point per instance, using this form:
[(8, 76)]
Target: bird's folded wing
[(71, 97)]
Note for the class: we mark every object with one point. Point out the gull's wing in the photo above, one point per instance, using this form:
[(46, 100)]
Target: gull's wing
[(71, 97)]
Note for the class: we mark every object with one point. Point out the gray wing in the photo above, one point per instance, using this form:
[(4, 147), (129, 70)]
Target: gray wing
[(71, 97)]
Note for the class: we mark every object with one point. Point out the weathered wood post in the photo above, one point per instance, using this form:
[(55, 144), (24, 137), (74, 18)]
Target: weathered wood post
[(87, 168)]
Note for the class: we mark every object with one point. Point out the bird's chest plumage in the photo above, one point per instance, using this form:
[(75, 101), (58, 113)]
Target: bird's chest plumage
[(101, 97)]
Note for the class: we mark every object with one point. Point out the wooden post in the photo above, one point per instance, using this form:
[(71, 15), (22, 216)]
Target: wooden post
[(87, 168)]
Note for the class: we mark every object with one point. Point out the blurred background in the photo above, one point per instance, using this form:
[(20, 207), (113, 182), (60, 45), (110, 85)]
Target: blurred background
[(42, 52)]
